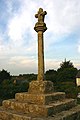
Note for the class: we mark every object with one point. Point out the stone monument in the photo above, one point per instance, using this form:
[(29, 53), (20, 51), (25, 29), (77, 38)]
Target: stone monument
[(41, 102), (40, 86)]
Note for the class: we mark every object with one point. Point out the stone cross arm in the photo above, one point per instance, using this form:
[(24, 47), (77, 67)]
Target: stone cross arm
[(40, 15)]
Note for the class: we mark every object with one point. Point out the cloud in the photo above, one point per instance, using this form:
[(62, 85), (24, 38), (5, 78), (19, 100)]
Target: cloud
[(2, 46), (63, 16), (22, 64), (78, 47), (21, 23), (21, 60), (29, 64), (62, 19), (52, 64)]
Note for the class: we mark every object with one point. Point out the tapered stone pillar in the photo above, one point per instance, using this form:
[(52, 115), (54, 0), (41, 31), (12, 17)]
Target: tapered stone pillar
[(40, 28), (40, 86), (40, 56)]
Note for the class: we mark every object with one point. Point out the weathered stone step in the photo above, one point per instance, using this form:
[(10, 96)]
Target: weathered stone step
[(72, 114), (39, 110), (40, 98), (24, 107), (12, 115), (65, 104)]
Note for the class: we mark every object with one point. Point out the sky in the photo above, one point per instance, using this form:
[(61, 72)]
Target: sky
[(18, 40)]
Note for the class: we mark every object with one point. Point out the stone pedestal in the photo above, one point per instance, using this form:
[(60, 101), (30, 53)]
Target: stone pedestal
[(41, 87)]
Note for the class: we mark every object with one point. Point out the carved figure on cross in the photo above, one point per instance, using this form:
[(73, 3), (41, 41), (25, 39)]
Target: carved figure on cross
[(40, 15)]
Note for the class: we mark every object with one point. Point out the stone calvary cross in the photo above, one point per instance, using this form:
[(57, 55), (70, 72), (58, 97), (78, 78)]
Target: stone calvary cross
[(40, 28), (40, 86), (41, 102)]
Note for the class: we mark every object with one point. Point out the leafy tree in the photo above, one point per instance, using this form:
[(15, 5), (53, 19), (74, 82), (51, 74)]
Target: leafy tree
[(65, 65), (68, 87), (51, 75), (4, 75), (28, 77), (66, 72), (8, 89)]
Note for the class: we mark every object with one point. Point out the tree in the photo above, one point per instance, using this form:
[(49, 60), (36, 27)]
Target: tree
[(66, 75), (66, 72), (4, 75), (28, 77), (65, 65), (51, 75)]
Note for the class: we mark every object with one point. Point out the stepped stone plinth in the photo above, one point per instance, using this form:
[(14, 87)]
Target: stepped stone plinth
[(41, 99), (39, 110), (41, 102), (44, 105)]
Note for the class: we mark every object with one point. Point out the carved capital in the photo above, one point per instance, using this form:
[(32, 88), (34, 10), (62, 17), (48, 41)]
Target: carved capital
[(40, 27)]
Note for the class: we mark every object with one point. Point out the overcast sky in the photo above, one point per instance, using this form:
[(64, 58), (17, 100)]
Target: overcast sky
[(18, 40)]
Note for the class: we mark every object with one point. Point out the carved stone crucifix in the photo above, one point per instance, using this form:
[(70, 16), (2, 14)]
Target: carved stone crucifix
[(40, 15)]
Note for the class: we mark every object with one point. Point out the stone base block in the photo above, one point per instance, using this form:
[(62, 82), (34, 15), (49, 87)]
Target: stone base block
[(39, 110), (72, 114), (43, 99), (40, 87), (12, 115)]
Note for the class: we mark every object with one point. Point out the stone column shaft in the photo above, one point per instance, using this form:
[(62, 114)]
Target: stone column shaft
[(40, 28), (40, 56)]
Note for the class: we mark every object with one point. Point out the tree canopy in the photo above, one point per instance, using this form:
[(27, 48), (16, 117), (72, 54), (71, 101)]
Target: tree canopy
[(66, 72), (4, 75), (51, 75), (64, 79), (66, 64)]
